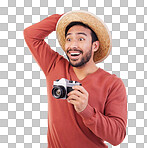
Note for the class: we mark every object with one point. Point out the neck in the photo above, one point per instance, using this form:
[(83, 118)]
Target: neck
[(85, 70)]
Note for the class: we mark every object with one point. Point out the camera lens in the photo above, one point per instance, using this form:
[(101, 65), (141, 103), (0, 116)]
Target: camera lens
[(58, 92)]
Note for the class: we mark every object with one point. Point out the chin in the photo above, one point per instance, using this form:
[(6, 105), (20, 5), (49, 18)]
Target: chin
[(78, 64)]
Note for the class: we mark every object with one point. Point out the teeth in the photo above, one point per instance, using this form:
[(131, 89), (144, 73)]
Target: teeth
[(75, 54)]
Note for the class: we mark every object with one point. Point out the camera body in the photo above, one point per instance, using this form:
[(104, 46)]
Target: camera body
[(62, 87)]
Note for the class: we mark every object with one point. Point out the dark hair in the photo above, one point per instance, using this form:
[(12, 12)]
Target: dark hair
[(93, 35)]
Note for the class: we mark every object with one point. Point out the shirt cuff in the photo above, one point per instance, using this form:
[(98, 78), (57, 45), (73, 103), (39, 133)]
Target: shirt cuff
[(88, 112)]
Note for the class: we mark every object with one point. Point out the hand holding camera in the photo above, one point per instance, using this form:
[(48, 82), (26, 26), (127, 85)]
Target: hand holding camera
[(73, 91), (79, 98)]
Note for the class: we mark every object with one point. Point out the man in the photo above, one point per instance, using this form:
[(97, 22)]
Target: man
[(94, 112)]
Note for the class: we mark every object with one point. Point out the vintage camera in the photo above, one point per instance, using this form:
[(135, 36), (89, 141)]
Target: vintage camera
[(62, 87)]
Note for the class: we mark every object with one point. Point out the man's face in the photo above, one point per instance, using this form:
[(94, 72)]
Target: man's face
[(78, 45)]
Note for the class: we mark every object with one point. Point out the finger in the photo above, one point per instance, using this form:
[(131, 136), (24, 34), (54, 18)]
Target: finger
[(75, 92), (73, 97), (74, 102), (80, 88)]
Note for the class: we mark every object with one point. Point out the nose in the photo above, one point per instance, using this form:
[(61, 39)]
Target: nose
[(74, 44)]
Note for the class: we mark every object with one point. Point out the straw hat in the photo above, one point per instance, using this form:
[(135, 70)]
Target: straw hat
[(95, 23)]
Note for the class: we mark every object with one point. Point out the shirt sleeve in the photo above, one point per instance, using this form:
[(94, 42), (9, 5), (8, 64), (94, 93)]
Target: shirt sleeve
[(41, 51), (110, 126)]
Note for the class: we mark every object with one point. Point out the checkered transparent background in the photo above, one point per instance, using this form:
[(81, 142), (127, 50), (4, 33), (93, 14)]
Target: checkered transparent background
[(23, 93)]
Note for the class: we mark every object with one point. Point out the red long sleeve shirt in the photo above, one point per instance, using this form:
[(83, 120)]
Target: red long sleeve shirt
[(105, 117)]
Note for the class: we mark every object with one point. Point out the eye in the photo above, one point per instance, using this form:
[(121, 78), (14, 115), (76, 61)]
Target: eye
[(68, 39), (81, 39)]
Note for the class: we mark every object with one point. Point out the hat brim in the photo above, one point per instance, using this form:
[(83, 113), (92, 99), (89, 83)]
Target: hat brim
[(95, 23)]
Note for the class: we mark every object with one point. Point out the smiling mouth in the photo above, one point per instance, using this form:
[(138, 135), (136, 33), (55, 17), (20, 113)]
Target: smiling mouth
[(74, 52), (74, 55)]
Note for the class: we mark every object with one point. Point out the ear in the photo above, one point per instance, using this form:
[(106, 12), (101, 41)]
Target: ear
[(95, 46)]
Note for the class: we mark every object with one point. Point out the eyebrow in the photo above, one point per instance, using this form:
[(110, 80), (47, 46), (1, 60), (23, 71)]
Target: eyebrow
[(76, 33)]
